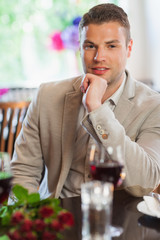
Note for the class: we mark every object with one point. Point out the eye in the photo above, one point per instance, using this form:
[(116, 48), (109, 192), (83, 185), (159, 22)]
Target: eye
[(111, 46), (89, 46)]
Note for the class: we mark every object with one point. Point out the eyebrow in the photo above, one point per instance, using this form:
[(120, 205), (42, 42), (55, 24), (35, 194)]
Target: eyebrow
[(112, 41), (108, 42), (87, 41)]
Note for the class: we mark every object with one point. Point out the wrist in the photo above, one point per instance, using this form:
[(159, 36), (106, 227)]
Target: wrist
[(93, 106)]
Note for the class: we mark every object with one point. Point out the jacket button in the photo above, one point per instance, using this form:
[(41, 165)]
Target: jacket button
[(105, 136), (101, 132), (99, 127)]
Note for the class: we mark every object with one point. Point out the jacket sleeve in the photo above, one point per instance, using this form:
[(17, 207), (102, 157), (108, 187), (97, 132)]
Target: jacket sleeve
[(141, 156), (27, 163)]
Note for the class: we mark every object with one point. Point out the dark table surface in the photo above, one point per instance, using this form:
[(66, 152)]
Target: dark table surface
[(136, 225)]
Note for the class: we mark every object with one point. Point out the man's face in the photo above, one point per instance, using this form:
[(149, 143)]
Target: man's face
[(104, 50)]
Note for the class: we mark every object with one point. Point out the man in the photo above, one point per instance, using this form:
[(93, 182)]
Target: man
[(105, 105)]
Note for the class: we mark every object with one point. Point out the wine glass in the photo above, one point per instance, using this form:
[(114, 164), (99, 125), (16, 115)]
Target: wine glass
[(106, 165), (5, 176)]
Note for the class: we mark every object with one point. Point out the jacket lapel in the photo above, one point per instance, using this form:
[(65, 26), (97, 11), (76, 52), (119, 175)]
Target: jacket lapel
[(71, 110), (125, 105)]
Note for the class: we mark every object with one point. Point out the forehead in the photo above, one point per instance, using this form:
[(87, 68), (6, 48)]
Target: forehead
[(107, 31)]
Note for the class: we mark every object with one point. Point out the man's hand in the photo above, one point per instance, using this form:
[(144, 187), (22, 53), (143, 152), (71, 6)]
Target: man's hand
[(94, 88)]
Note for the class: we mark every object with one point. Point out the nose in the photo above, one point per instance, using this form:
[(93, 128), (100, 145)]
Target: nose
[(99, 55)]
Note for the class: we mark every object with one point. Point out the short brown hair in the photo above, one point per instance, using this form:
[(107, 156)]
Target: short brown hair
[(106, 12)]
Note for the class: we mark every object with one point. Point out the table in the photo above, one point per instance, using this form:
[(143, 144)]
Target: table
[(136, 225)]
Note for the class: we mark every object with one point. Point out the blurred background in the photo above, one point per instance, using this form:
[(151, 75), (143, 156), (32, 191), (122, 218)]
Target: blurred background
[(39, 41)]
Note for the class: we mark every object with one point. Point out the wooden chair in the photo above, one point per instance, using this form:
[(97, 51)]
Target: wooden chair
[(11, 118)]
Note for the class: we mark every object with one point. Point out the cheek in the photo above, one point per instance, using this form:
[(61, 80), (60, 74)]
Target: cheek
[(86, 57), (83, 60), (121, 58)]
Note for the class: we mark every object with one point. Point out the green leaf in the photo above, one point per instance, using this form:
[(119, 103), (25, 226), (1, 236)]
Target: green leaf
[(55, 204), (6, 220), (33, 198), (59, 236), (20, 193), (4, 237), (3, 211), (6, 214)]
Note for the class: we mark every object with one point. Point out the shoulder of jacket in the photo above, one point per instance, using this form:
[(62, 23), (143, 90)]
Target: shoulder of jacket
[(142, 89), (58, 89), (67, 83)]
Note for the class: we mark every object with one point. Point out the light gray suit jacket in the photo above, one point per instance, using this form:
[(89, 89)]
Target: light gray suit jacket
[(48, 135)]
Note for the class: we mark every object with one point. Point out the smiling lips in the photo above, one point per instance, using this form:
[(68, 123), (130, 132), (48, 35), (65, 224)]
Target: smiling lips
[(99, 70)]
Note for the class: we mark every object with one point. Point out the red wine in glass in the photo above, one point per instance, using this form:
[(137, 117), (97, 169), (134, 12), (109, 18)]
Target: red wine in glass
[(5, 187), (107, 172)]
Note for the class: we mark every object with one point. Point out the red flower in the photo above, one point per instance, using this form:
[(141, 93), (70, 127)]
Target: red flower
[(26, 225), (17, 217), (39, 225), (30, 236), (48, 236), (46, 212), (14, 235), (56, 225), (66, 218)]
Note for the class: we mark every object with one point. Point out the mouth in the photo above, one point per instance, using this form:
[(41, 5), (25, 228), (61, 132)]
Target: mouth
[(99, 70)]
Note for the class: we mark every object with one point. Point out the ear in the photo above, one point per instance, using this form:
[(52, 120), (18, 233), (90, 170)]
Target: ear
[(130, 44)]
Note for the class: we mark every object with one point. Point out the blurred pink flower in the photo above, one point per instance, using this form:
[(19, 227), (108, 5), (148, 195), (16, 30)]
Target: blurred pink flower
[(68, 38), (3, 91), (56, 41)]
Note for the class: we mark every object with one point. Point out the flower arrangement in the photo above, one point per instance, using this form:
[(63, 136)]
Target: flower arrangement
[(68, 38), (33, 219)]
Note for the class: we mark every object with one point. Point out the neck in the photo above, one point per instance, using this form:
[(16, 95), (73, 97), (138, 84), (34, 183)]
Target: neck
[(111, 89)]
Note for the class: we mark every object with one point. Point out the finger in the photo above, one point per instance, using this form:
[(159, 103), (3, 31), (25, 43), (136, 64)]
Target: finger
[(84, 84), (82, 89)]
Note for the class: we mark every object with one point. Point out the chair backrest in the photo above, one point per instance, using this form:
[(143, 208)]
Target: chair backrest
[(11, 118)]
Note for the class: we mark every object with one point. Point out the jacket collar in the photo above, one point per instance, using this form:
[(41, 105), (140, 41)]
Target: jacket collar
[(77, 83), (125, 105)]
